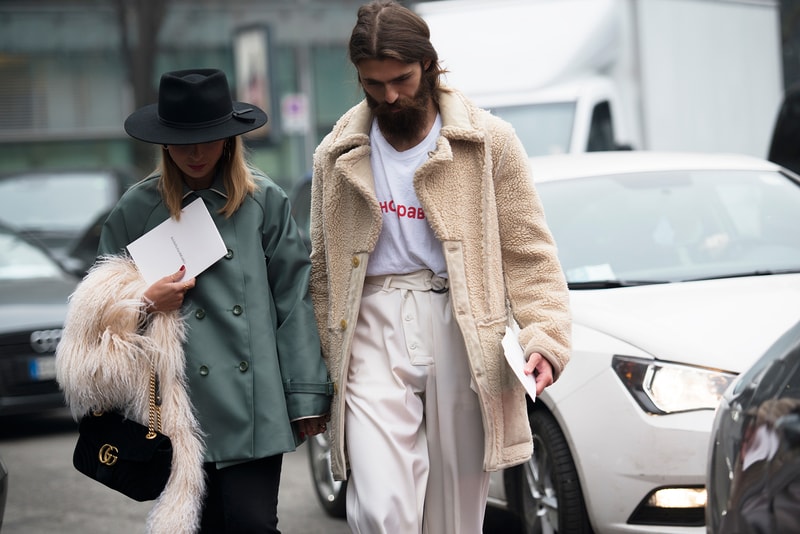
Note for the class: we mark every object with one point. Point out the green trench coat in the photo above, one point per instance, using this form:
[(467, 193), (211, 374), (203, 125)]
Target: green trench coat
[(252, 349)]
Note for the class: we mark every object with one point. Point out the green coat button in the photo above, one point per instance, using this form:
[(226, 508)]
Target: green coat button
[(203, 370), (243, 366), (200, 313), (237, 310), (229, 254)]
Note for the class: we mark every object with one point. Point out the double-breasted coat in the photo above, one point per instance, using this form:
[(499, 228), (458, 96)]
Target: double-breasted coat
[(252, 351)]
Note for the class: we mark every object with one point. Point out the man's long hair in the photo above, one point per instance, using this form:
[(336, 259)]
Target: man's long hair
[(387, 30)]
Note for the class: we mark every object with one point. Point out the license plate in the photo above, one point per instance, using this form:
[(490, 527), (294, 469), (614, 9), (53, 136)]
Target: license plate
[(43, 368)]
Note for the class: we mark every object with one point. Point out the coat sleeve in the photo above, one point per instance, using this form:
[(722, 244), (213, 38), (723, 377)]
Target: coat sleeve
[(305, 377), (537, 289)]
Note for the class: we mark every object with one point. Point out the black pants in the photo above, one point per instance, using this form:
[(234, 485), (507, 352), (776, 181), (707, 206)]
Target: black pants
[(242, 498)]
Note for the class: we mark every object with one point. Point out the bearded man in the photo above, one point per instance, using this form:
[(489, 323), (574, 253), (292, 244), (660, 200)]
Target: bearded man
[(428, 238)]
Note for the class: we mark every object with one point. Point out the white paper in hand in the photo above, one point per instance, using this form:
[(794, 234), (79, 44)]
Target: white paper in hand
[(194, 241), (516, 359)]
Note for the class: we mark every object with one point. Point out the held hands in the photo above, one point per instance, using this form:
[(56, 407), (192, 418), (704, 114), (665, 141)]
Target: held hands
[(542, 371), (312, 426), (167, 294)]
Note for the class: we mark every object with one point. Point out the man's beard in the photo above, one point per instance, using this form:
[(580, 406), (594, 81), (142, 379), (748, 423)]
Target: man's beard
[(406, 117)]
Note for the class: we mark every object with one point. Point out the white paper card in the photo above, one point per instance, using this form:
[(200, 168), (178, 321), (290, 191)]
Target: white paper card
[(194, 241), (516, 359)]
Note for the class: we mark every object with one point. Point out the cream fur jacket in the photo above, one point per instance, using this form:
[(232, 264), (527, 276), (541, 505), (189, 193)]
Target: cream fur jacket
[(477, 194), (103, 362)]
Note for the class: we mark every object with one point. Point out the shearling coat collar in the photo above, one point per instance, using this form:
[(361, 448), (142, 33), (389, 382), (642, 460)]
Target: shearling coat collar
[(349, 149)]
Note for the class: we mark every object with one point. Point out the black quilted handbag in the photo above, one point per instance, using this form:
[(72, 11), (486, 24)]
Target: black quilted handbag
[(126, 456)]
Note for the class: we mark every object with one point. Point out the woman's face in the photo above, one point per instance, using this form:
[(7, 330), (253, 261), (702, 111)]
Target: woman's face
[(197, 162)]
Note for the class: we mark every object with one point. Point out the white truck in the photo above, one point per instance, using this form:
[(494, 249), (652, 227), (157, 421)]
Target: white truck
[(585, 75)]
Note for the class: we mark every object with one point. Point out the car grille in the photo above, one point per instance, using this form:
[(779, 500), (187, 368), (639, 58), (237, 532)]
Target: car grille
[(25, 370)]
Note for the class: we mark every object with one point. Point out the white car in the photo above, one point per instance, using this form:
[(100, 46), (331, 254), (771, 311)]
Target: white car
[(683, 269)]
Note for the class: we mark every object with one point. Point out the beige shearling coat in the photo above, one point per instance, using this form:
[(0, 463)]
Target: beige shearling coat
[(103, 363), (477, 195)]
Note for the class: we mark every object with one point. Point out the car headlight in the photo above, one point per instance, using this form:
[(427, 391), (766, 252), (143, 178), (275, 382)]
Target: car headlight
[(661, 388)]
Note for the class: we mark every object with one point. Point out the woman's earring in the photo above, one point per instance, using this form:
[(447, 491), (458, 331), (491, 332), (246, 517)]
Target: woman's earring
[(165, 147)]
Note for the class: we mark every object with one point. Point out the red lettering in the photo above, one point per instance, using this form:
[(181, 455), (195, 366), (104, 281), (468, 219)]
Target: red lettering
[(410, 212)]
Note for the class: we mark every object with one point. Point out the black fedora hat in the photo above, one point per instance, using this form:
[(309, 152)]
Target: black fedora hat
[(194, 106)]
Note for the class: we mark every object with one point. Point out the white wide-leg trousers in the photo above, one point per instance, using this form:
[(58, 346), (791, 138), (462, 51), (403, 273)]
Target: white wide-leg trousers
[(412, 423)]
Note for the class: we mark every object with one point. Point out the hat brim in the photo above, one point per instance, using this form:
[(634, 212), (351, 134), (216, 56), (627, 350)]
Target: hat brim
[(144, 125)]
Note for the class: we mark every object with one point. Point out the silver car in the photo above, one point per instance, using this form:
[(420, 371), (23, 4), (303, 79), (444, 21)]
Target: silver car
[(682, 269), (33, 306)]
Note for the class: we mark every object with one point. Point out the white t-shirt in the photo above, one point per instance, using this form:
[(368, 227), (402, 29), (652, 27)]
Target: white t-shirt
[(406, 243)]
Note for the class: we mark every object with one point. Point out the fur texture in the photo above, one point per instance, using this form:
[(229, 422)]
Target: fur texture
[(103, 362)]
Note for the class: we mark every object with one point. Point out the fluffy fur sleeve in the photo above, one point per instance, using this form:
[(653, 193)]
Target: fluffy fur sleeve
[(103, 362)]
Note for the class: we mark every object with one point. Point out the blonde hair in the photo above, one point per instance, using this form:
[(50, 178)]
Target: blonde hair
[(238, 179)]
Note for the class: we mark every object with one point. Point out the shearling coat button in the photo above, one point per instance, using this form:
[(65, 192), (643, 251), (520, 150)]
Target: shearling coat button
[(356, 261), (343, 324)]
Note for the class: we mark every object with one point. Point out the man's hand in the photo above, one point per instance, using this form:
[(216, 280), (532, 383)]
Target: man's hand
[(542, 371), (312, 426)]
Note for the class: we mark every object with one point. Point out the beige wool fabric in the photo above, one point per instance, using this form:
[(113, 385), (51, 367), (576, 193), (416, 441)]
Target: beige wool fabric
[(103, 362)]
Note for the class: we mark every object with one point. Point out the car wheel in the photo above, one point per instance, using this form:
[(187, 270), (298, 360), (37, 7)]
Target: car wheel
[(549, 497), (331, 493)]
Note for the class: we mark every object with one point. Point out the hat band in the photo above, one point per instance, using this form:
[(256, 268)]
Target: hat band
[(196, 125), (191, 125)]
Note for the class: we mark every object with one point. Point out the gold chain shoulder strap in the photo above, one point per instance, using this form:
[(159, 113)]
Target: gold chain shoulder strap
[(154, 415)]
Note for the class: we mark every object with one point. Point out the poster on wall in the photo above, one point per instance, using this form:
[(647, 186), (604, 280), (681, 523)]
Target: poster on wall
[(253, 80)]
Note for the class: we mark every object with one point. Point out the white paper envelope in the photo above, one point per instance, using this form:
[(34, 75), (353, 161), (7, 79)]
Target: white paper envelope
[(516, 359), (194, 241)]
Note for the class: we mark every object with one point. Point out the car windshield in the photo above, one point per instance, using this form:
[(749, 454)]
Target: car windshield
[(673, 226), (19, 259), (66, 202), (543, 128)]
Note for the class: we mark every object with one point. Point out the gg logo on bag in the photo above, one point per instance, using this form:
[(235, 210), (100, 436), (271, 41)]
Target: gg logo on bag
[(108, 454)]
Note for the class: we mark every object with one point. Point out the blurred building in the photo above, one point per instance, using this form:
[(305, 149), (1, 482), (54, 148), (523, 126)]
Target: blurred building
[(65, 88)]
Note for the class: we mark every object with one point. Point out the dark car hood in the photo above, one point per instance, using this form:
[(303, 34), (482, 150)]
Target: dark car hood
[(34, 303)]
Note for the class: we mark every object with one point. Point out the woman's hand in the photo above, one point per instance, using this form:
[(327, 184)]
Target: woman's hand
[(167, 294)]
